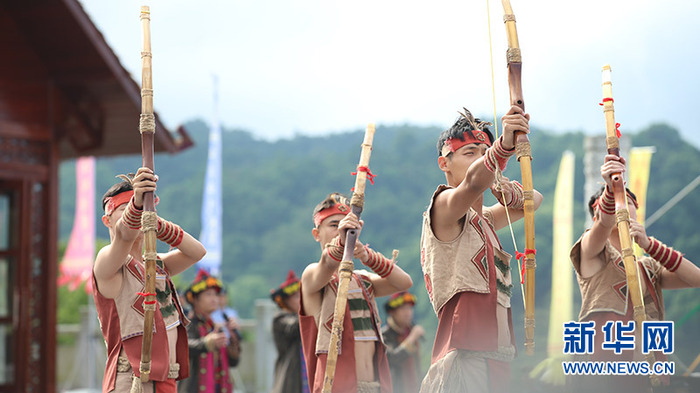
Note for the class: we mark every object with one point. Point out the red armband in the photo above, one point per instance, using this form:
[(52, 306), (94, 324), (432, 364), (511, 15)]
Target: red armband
[(334, 249), (516, 196), (132, 215), (379, 263), (169, 232), (606, 202), (665, 255), (497, 157)]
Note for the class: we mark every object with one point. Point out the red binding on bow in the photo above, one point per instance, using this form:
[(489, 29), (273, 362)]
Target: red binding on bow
[(370, 175), (521, 256), (146, 294)]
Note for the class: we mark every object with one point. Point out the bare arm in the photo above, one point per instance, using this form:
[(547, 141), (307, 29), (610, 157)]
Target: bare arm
[(498, 210), (396, 281), (686, 275), (318, 274), (188, 252), (452, 204), (111, 258), (593, 241)]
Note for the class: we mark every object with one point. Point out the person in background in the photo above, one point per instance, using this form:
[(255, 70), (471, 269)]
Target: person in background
[(226, 315), (290, 370), (401, 337), (211, 351)]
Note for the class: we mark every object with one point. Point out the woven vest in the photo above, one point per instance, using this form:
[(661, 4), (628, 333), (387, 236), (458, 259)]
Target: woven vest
[(461, 265), (121, 322), (356, 295), (606, 291)]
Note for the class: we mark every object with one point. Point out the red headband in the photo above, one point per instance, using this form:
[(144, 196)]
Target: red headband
[(338, 208), (113, 202), (451, 145)]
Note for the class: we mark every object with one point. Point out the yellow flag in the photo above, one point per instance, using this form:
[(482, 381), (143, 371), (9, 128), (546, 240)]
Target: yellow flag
[(639, 166), (562, 303), (561, 307)]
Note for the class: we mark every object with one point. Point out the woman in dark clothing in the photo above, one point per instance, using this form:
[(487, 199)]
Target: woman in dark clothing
[(290, 371)]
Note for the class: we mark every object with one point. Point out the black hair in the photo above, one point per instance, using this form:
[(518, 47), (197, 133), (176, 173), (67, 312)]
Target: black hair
[(465, 123), (597, 195), (331, 200), (117, 189)]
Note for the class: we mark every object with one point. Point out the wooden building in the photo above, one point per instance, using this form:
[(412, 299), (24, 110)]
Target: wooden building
[(63, 94)]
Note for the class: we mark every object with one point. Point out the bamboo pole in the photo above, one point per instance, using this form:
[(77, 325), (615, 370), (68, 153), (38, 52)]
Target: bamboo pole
[(634, 285), (149, 219), (357, 203)]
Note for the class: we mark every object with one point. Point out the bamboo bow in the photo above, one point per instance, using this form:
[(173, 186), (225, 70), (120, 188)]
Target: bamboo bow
[(149, 219), (346, 267), (522, 148), (634, 288)]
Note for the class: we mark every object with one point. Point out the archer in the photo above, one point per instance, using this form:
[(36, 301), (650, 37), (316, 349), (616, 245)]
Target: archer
[(118, 279), (467, 273)]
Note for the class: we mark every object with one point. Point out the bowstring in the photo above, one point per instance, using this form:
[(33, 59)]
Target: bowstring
[(499, 175)]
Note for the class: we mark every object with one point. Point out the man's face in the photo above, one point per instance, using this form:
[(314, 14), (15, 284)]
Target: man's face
[(403, 315), (456, 164), (632, 210), (111, 220), (206, 302), (292, 302), (327, 229)]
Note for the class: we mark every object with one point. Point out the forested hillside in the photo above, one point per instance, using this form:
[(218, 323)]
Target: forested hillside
[(270, 189)]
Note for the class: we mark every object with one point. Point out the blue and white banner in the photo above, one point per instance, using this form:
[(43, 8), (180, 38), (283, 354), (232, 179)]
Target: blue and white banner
[(211, 236)]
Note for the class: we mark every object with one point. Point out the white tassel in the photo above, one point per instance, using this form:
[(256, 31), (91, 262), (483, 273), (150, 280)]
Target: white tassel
[(136, 385)]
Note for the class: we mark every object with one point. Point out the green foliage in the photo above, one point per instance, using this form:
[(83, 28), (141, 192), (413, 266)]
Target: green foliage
[(270, 189), (245, 290), (70, 304)]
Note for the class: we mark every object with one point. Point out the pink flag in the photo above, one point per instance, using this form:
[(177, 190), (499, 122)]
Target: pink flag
[(76, 266)]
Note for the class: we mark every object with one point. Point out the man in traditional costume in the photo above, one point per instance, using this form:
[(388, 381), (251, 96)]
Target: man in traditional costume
[(362, 364), (290, 369), (467, 273), (401, 337), (118, 279), (601, 277), (212, 351)]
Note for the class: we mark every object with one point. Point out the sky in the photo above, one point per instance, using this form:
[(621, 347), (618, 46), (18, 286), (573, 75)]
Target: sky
[(315, 67)]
